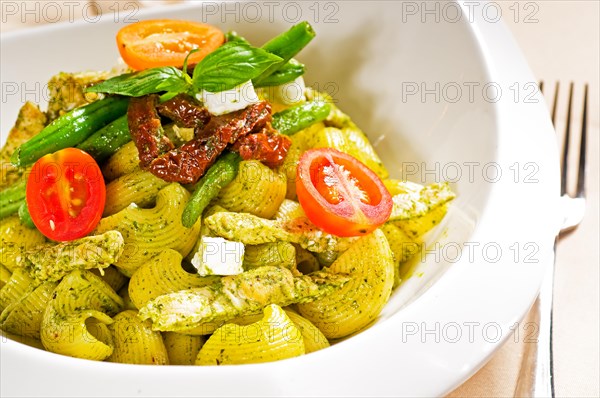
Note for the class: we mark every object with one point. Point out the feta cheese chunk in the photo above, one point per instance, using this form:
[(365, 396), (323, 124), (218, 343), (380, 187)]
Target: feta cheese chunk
[(229, 101), (218, 256), (290, 93)]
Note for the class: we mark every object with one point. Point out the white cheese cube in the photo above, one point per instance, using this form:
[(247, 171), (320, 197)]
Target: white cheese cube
[(218, 256), (290, 93), (229, 100)]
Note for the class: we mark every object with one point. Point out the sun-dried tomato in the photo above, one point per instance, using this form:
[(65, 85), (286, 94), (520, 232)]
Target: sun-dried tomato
[(146, 130), (189, 162), (185, 111), (247, 131), (268, 147)]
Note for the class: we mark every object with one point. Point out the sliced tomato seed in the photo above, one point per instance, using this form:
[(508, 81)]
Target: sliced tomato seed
[(335, 183)]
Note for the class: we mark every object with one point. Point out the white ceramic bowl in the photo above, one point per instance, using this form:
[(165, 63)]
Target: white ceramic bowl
[(443, 96)]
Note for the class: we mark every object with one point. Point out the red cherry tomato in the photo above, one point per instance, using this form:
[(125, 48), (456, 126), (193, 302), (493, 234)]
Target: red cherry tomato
[(165, 42), (66, 194), (341, 195)]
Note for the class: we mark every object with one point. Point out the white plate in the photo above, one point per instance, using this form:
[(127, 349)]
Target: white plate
[(443, 96)]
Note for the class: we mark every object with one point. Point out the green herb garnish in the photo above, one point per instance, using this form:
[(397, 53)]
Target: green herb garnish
[(154, 80), (232, 64)]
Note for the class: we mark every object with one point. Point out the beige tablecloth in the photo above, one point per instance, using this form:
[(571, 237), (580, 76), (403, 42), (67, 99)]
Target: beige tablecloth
[(560, 39)]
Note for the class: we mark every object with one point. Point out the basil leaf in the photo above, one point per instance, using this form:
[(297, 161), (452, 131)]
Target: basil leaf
[(287, 73), (231, 65), (148, 81)]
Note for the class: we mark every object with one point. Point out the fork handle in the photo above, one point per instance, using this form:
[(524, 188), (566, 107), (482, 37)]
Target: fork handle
[(536, 373)]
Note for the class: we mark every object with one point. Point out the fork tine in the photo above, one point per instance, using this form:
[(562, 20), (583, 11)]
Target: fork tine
[(582, 145), (565, 154), (555, 104)]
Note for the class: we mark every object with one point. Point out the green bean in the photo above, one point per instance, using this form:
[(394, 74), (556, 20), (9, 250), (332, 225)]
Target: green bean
[(217, 177), (286, 46), (299, 117), (25, 217), (106, 141), (12, 198), (70, 129)]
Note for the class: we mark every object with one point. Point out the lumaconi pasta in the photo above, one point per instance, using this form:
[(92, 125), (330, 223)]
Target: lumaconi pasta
[(272, 338), (402, 246), (290, 164), (15, 288), (288, 211), (4, 275), (30, 341), (128, 287), (76, 318), (135, 342), (163, 274), (127, 303), (370, 264), (15, 238), (305, 261), (126, 160), (314, 339), (147, 232), (351, 141), (23, 317), (418, 226), (182, 348), (257, 189), (111, 275), (139, 187)]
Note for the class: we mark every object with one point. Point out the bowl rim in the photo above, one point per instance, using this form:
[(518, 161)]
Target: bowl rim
[(433, 369)]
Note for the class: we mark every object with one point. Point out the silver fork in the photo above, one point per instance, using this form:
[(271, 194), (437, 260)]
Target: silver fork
[(536, 376)]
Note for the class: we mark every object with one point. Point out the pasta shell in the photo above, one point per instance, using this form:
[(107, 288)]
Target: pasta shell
[(370, 264), (135, 342), (273, 338)]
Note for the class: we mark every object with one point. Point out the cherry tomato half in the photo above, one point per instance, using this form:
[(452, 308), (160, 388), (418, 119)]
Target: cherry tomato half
[(165, 42), (66, 194), (341, 195)]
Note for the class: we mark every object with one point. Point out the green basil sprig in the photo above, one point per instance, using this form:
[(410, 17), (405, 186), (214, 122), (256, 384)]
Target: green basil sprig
[(286, 45), (154, 80), (225, 68), (230, 65)]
